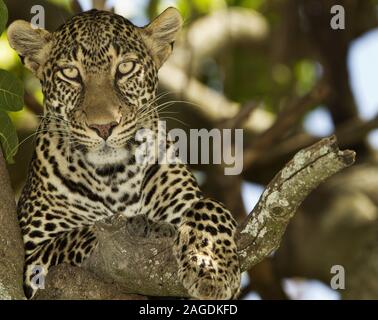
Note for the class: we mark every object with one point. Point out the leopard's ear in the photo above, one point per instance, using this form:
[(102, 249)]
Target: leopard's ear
[(161, 33), (32, 45)]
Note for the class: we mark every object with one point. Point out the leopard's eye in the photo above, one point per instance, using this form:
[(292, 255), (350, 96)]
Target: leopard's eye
[(70, 73), (126, 67)]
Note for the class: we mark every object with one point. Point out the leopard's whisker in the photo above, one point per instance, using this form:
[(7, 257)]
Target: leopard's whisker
[(178, 120)]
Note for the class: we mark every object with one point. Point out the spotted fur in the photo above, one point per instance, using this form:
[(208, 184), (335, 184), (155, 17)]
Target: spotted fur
[(99, 78)]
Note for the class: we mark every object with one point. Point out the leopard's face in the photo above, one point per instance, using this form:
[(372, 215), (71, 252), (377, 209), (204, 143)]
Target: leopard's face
[(101, 79), (99, 76)]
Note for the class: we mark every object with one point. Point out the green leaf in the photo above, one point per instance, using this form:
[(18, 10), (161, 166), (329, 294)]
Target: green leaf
[(11, 92), (3, 16), (8, 137)]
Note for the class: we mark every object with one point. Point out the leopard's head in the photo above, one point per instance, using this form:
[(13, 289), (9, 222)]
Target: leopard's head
[(98, 73)]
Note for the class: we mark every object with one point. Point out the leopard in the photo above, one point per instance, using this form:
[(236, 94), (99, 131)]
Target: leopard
[(99, 78)]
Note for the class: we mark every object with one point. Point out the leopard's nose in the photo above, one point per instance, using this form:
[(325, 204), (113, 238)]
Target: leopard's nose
[(104, 130)]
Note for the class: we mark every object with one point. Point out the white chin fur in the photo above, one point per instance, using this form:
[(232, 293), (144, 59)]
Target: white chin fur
[(107, 156)]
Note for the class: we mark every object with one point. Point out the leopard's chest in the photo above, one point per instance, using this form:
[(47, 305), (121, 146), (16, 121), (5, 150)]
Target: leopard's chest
[(122, 191), (89, 192)]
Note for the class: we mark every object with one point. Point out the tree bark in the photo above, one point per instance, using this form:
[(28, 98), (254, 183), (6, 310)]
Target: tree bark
[(11, 245)]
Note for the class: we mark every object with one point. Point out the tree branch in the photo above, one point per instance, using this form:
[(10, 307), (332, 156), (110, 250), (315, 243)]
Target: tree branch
[(147, 266), (288, 118), (212, 104), (179, 73), (208, 36), (86, 286), (352, 132), (262, 232), (11, 245)]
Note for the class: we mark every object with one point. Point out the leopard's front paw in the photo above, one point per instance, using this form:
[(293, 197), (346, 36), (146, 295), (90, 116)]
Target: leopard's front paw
[(141, 226), (205, 278), (208, 267)]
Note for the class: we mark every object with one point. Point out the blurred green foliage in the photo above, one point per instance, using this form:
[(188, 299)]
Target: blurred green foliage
[(3, 15), (62, 3), (11, 99), (11, 92), (305, 74)]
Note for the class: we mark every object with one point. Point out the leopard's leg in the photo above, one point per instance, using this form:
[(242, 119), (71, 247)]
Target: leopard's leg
[(68, 247), (206, 251), (204, 246)]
